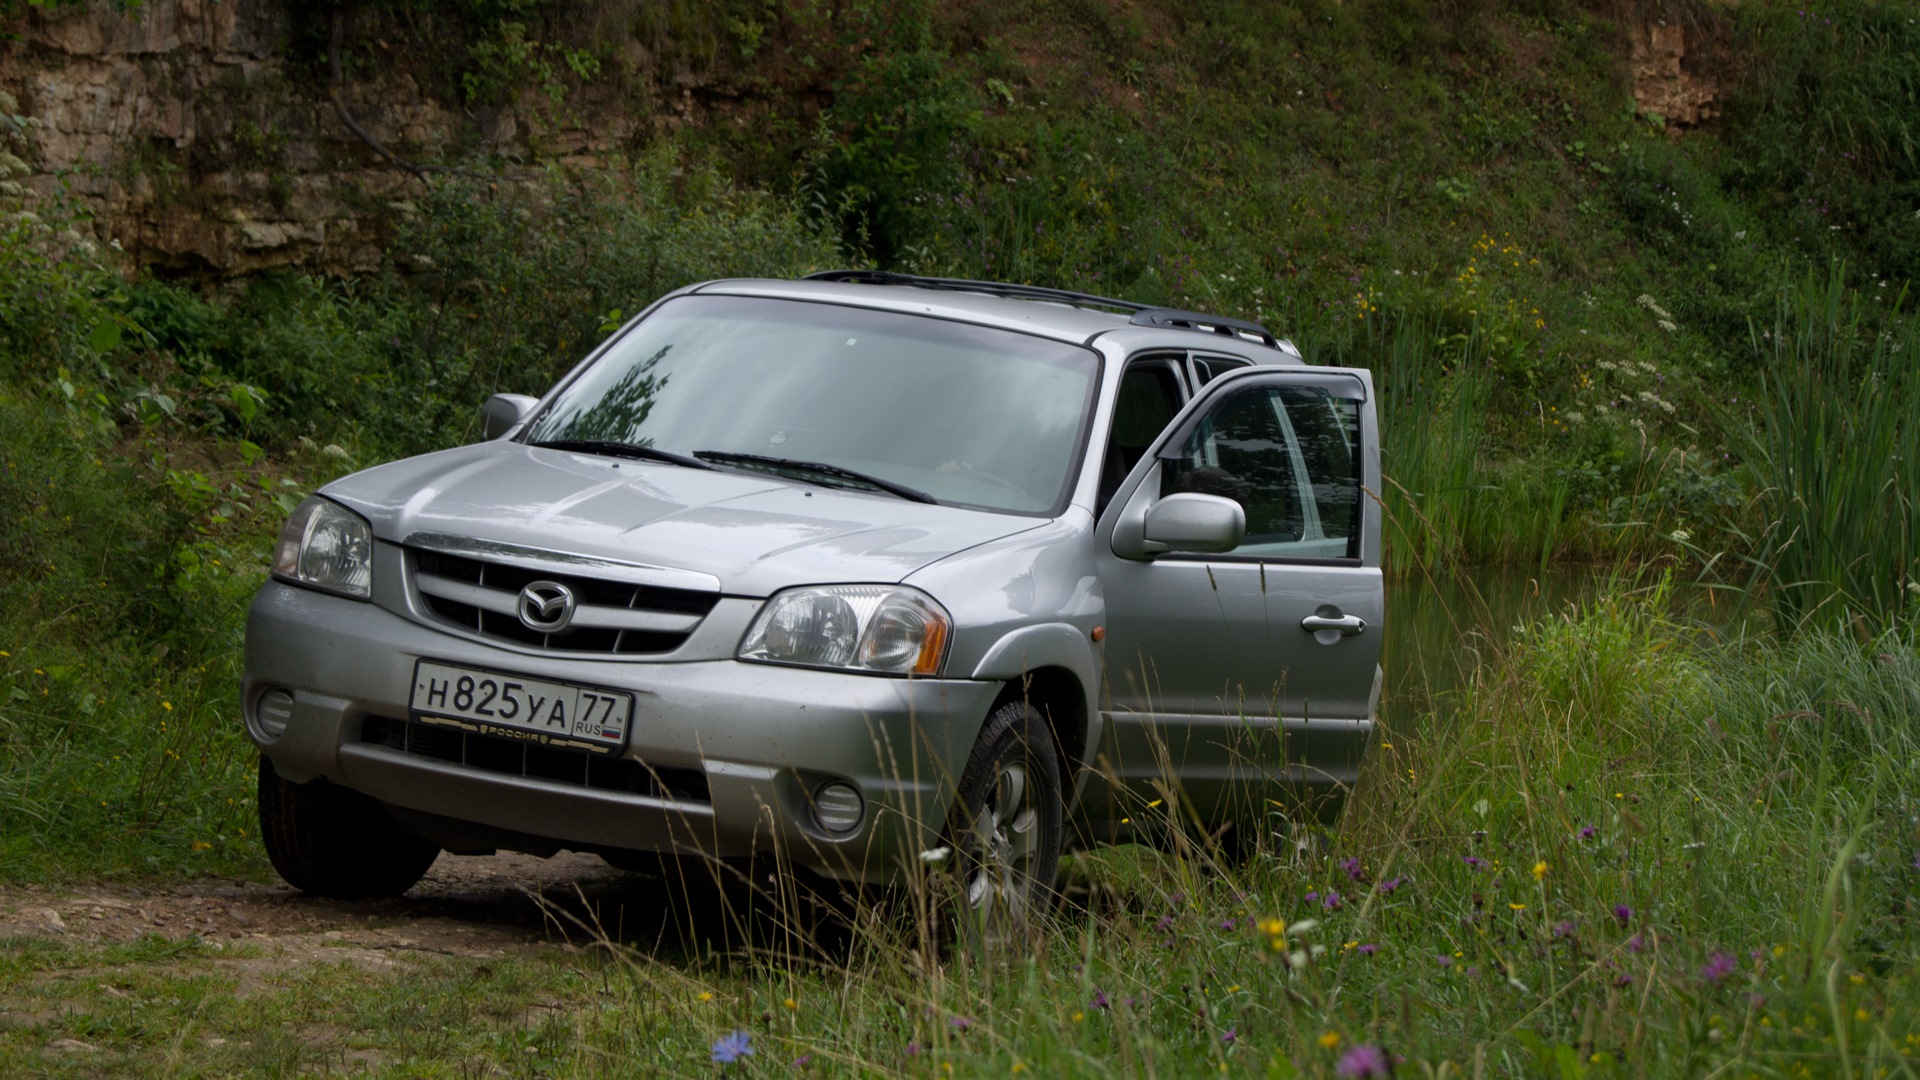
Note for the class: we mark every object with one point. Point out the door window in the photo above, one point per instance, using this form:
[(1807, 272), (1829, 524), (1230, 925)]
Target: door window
[(1289, 455), (1148, 399)]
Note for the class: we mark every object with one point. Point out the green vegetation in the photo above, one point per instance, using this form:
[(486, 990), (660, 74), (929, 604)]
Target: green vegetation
[(1625, 847), (1616, 852)]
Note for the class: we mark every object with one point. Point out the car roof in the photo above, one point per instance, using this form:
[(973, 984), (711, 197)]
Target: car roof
[(1060, 320)]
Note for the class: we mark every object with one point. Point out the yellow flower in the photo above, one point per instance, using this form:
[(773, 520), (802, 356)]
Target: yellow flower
[(703, 996), (1779, 950), (1861, 1015), (1019, 1067), (1539, 870), (1272, 927), (1518, 907), (1856, 978), (201, 845), (791, 1004), (1330, 1040), (167, 705), (1078, 1017)]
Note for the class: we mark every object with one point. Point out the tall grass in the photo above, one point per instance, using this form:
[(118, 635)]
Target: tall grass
[(1837, 449)]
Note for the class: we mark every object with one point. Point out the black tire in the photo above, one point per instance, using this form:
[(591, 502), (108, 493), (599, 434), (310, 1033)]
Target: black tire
[(1008, 827), (332, 842)]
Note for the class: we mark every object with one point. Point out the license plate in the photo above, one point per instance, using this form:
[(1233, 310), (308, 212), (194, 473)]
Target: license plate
[(552, 713)]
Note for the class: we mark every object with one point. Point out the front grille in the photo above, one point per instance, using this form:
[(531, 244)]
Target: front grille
[(611, 617), (511, 757)]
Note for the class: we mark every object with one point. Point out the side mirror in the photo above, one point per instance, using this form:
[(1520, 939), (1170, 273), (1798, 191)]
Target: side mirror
[(1190, 521), (503, 412)]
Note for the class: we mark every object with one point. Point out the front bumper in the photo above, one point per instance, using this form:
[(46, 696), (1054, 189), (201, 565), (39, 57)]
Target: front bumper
[(765, 738)]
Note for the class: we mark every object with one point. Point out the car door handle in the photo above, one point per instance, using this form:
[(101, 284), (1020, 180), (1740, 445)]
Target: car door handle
[(1347, 625)]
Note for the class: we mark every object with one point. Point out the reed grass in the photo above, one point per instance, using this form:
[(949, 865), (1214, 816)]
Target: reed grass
[(1835, 450)]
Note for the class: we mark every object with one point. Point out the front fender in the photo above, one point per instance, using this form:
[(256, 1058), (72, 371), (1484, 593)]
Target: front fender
[(1060, 645)]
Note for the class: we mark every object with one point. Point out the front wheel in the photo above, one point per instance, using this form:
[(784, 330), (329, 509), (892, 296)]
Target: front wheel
[(1008, 825), (337, 843)]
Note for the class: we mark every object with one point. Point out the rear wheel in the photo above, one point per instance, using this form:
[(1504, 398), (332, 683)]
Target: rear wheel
[(337, 843), (1008, 826)]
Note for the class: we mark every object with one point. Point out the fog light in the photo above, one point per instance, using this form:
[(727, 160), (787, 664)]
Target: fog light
[(272, 713), (837, 807)]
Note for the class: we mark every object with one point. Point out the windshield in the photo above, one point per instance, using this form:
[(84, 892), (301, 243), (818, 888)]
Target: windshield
[(966, 414)]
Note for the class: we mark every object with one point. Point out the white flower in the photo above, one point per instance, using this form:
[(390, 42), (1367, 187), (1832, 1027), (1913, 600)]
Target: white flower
[(1680, 536), (937, 856)]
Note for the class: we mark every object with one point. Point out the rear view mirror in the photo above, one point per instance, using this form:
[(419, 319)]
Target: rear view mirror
[(1190, 521), (503, 412)]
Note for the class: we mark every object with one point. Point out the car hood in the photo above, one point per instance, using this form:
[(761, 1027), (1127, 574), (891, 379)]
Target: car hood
[(753, 534)]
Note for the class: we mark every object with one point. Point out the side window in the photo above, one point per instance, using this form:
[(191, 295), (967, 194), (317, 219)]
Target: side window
[(1149, 398), (1208, 368), (1289, 456)]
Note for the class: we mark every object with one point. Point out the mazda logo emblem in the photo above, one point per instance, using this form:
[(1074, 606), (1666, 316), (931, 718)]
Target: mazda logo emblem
[(546, 606)]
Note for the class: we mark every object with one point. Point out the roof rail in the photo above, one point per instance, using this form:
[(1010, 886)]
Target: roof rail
[(991, 288), (1211, 324), (1143, 314)]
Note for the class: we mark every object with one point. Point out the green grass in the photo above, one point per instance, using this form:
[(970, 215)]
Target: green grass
[(1622, 849)]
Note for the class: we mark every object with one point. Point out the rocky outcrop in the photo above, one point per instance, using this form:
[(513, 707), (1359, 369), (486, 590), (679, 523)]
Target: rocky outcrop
[(197, 138), (1668, 81)]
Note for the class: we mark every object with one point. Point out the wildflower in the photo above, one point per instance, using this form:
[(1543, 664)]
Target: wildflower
[(1516, 907), (1232, 1036), (732, 1047), (913, 1049), (1226, 924), (1331, 901), (1362, 1062), (1718, 966), (1330, 1040), (1100, 1000), (1352, 867), (1588, 832), (1313, 896), (1444, 960), (1079, 1017), (703, 996), (1272, 927), (1563, 928), (1623, 913), (1368, 949), (1637, 943), (1391, 883), (791, 1004), (1474, 861), (1540, 870), (802, 1061)]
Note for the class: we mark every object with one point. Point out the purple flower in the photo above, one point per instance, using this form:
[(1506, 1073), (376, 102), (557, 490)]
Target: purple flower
[(1474, 861), (1232, 1036), (1445, 960), (1312, 896), (1916, 860), (732, 1047), (1368, 949), (1392, 883), (1100, 1000), (1363, 1061), (1166, 923), (1637, 943), (1588, 832), (1719, 966), (913, 1049), (1331, 901), (960, 1023), (803, 1061), (1472, 970), (1226, 924), (1623, 913), (1352, 867), (1564, 928)]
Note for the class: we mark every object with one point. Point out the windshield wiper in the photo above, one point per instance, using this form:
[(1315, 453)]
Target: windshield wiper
[(614, 448), (818, 468)]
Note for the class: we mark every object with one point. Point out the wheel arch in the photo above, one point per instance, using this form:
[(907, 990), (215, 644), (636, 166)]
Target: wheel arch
[(1052, 668)]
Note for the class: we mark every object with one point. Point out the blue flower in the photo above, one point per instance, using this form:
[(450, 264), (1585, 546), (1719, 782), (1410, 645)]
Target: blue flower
[(731, 1048)]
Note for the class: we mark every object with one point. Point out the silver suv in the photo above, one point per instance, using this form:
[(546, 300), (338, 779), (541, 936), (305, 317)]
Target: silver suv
[(847, 570)]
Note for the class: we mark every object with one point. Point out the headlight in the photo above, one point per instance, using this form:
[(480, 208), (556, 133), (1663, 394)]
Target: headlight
[(326, 546), (888, 628)]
